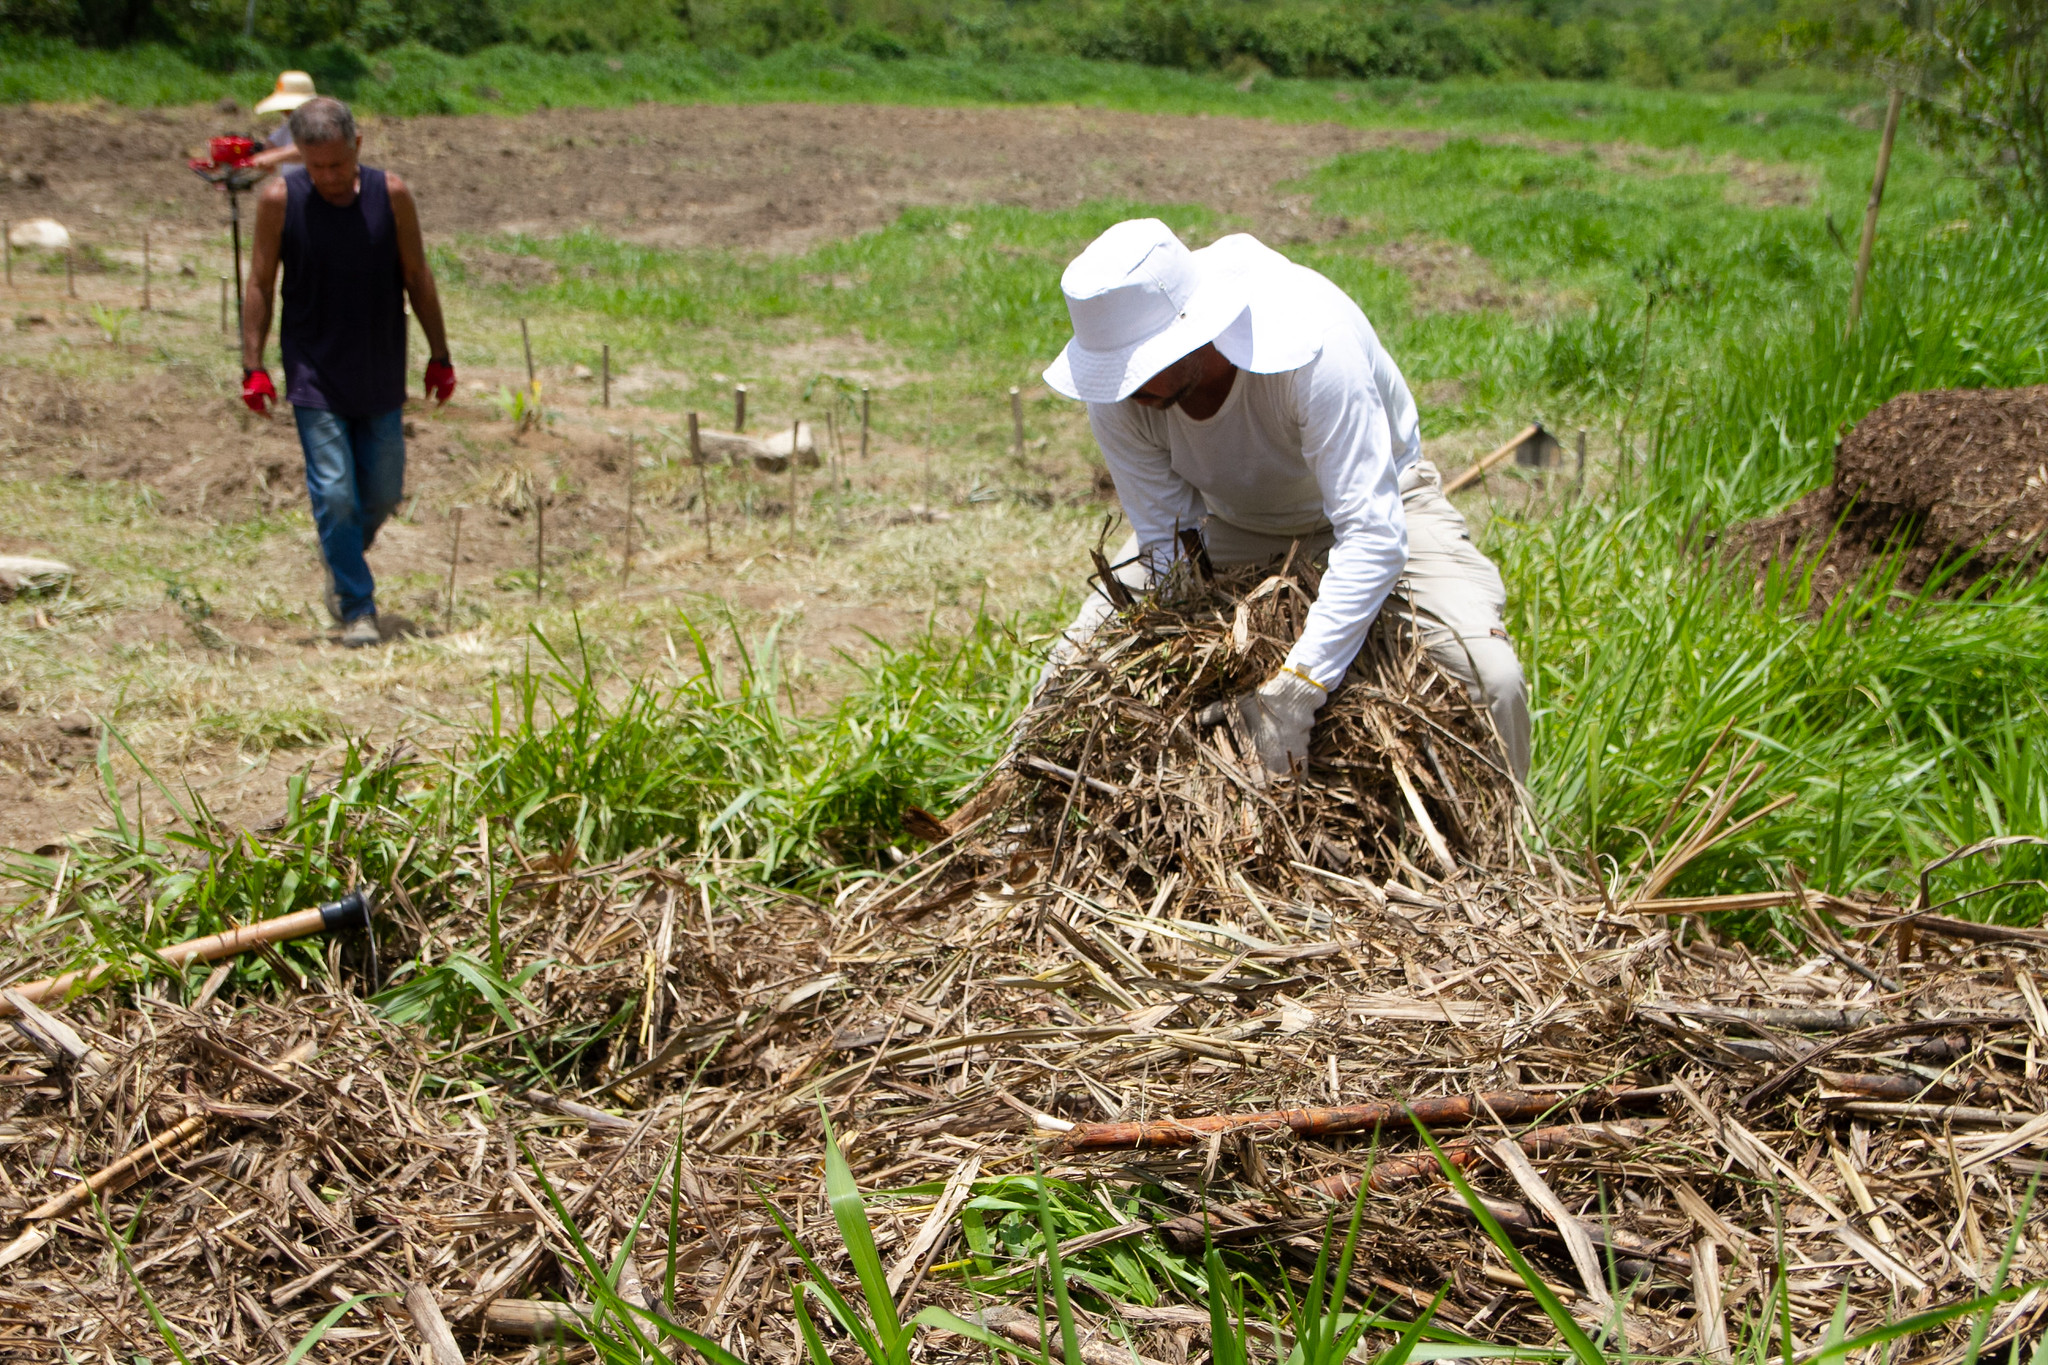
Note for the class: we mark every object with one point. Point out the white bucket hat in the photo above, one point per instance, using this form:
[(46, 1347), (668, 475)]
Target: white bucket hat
[(294, 88), (1139, 300)]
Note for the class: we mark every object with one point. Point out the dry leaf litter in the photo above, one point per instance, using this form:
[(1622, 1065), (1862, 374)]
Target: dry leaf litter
[(1129, 959)]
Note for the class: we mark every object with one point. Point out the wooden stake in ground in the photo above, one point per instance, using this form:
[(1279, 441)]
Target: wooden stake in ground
[(927, 464), (1017, 421), (626, 560), (540, 539), (526, 343), (795, 431), (223, 303), (1884, 165), (739, 407), (838, 474), (145, 268), (1579, 478), (454, 557), (703, 481), (605, 366), (863, 424), (70, 285)]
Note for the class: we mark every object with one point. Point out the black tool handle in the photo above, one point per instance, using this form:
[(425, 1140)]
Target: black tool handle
[(350, 912)]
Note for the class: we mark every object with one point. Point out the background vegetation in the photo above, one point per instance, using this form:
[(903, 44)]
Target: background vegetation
[(1648, 42)]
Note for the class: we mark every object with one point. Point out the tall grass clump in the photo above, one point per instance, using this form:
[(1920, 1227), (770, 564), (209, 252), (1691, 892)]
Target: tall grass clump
[(573, 760), (1900, 719)]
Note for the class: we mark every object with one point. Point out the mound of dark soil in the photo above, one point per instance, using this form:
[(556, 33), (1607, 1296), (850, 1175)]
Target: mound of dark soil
[(1950, 477)]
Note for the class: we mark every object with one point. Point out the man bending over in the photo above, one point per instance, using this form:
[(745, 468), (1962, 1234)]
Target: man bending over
[(1237, 392), (348, 237)]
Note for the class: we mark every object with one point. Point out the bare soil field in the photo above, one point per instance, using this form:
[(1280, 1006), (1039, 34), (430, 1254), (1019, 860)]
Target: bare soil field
[(194, 626), (757, 177)]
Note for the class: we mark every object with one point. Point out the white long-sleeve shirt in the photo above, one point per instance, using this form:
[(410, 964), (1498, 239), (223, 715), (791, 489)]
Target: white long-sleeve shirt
[(1317, 431)]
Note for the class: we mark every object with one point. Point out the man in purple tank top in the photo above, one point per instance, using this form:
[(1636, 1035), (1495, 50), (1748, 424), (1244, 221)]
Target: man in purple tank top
[(348, 237)]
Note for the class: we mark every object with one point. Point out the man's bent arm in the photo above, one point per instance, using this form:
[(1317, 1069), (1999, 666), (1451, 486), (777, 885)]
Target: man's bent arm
[(419, 276), (1347, 444), (1157, 502), (259, 294)]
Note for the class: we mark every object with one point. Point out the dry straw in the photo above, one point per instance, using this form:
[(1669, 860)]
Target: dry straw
[(1211, 1006)]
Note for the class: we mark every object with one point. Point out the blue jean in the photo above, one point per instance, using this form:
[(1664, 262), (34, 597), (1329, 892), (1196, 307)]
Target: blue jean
[(355, 475)]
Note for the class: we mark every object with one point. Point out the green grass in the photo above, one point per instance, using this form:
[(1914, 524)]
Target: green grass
[(571, 760), (414, 79), (1902, 727), (1904, 724)]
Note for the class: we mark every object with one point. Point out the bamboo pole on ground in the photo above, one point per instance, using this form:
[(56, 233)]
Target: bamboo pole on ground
[(1475, 471), (1503, 1107), (428, 1321), (348, 912), (1017, 422), (1869, 243), (739, 407)]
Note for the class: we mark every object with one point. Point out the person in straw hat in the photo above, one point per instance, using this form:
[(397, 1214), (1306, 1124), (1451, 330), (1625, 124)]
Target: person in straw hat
[(1234, 391), (293, 89)]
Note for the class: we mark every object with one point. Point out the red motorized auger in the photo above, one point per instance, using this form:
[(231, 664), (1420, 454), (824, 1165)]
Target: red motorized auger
[(229, 167)]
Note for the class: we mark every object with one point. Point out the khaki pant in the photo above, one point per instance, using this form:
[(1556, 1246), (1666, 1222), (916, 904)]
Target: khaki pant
[(1450, 590)]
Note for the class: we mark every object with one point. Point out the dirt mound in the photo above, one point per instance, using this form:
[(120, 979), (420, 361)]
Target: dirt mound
[(1947, 480)]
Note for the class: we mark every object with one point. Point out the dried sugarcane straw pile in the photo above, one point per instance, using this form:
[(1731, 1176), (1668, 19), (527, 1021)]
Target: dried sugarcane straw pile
[(1404, 769), (1166, 994)]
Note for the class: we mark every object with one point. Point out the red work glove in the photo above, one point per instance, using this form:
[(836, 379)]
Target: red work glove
[(257, 392), (440, 380)]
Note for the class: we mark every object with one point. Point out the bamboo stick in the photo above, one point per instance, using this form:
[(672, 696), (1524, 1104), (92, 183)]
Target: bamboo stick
[(427, 1320), (1506, 1106), (1473, 472), (1868, 246), (351, 911)]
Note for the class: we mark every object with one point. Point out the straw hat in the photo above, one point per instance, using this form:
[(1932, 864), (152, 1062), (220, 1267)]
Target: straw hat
[(294, 88)]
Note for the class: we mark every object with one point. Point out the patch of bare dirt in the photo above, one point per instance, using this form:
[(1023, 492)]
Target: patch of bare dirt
[(770, 177), (1448, 277), (773, 177), (47, 749), (1937, 477)]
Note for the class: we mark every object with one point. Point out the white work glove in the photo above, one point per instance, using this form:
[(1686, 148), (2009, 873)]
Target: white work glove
[(1278, 718)]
